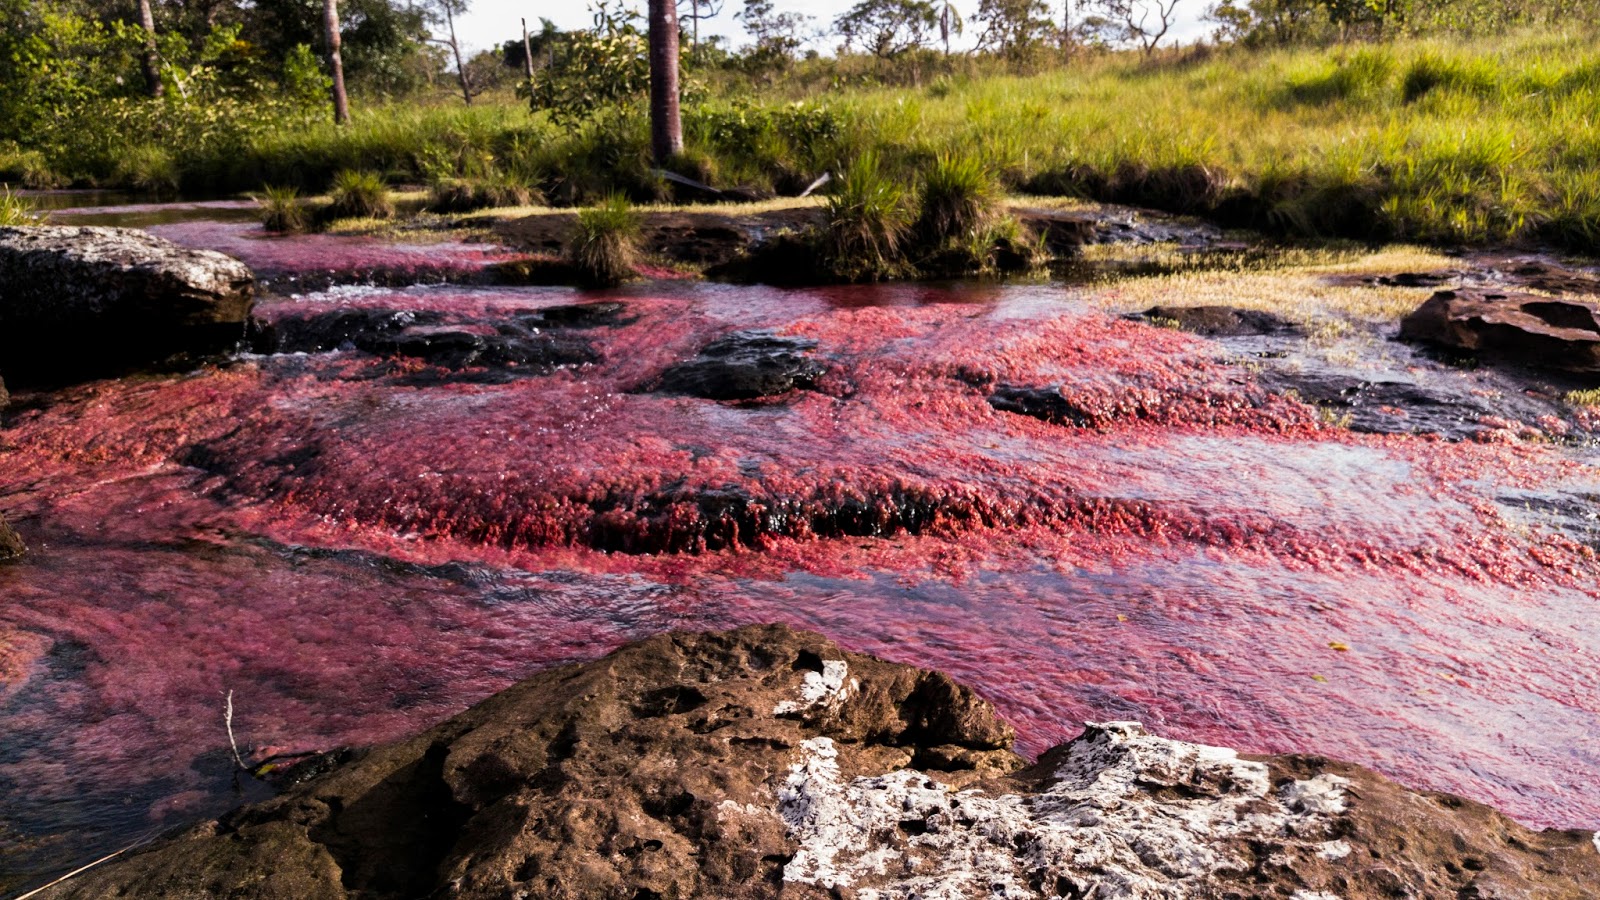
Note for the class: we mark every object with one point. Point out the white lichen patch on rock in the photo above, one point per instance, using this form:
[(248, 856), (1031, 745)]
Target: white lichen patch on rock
[(1126, 815), (829, 688)]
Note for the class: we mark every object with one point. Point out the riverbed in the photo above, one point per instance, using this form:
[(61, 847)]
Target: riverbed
[(356, 543)]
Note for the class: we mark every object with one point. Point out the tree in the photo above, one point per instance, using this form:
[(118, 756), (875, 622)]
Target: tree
[(666, 126), (887, 28), (1014, 27), (449, 9), (330, 23), (950, 24), (150, 59), (778, 35), (1144, 22), (699, 9)]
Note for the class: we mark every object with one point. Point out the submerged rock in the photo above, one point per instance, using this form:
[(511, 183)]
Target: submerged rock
[(11, 546), (80, 301), (766, 762), (1044, 403), (1550, 332), (744, 365)]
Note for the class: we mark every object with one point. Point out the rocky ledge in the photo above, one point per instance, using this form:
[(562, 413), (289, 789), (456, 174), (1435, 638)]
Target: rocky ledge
[(1550, 332), (79, 301), (767, 762)]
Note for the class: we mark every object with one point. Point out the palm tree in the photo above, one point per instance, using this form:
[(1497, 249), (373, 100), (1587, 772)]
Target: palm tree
[(666, 128), (949, 23), (330, 22)]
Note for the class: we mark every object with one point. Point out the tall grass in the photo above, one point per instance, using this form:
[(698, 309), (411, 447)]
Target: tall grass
[(602, 249), (1448, 140), (866, 225), (282, 210), (16, 210), (359, 194)]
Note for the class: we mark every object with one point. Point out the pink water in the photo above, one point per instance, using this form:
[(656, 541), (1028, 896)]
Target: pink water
[(356, 551)]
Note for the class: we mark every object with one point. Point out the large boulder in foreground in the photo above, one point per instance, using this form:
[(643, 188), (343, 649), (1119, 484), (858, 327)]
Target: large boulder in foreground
[(1551, 332), (78, 301), (767, 762)]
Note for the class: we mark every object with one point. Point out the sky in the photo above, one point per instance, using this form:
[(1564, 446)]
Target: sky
[(489, 23)]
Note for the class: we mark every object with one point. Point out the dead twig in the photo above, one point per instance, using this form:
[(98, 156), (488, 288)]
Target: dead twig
[(227, 720)]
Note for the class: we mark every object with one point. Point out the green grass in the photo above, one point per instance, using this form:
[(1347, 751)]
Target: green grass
[(866, 225), (1447, 141), (358, 194), (282, 210), (602, 248), (16, 210)]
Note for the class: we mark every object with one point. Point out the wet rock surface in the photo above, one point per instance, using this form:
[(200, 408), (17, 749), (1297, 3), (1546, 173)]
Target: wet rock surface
[(745, 365), (1220, 321), (82, 301), (1550, 332), (528, 343), (768, 762), (1044, 403)]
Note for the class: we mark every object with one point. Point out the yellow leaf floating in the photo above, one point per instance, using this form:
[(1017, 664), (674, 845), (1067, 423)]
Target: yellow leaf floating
[(1340, 646), (1319, 678)]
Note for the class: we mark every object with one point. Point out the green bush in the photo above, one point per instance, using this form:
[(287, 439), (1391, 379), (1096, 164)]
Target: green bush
[(359, 194), (147, 168), (602, 248)]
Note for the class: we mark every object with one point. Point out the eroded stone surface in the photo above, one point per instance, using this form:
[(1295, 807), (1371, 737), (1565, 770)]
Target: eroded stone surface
[(744, 366), (1220, 321), (1560, 333), (767, 762), (80, 299)]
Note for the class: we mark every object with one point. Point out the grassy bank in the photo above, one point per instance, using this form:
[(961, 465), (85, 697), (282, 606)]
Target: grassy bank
[(1432, 140)]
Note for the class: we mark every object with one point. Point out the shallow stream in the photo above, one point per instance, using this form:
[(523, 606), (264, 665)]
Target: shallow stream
[(359, 544)]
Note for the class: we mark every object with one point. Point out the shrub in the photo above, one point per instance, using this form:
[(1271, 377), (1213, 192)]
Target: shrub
[(865, 229), (958, 199), (602, 249), (282, 210), (16, 210), (359, 194), (148, 168)]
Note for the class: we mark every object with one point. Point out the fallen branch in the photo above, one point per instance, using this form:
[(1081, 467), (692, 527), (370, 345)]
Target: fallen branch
[(148, 836)]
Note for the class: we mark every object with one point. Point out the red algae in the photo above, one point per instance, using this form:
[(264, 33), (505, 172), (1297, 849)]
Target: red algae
[(358, 546)]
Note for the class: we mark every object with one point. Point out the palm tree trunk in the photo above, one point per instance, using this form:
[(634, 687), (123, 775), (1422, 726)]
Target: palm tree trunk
[(330, 21), (152, 68), (666, 128)]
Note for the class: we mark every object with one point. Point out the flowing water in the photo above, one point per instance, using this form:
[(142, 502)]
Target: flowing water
[(357, 545)]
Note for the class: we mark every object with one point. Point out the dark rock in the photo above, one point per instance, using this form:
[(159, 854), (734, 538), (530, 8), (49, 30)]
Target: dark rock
[(341, 329), (1554, 279), (744, 365), (1046, 403), (1221, 321), (11, 546), (787, 258), (80, 302), (767, 762), (1559, 333), (517, 343), (1389, 406)]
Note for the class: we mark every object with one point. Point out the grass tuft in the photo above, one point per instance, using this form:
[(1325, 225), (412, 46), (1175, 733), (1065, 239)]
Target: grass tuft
[(282, 210), (359, 194), (866, 225), (16, 210), (498, 189), (959, 198), (603, 247)]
